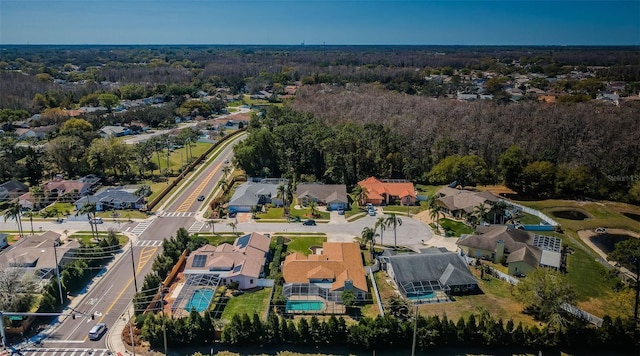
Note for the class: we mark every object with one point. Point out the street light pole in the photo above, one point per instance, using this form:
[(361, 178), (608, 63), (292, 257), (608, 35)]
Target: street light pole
[(415, 331), (55, 255), (133, 265), (133, 345)]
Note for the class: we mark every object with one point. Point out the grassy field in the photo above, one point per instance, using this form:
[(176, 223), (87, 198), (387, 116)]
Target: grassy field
[(454, 228), (249, 302), (592, 281), (302, 243), (86, 237), (306, 213)]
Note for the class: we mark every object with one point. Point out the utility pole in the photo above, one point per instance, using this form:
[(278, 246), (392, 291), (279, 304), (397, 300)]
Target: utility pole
[(55, 255), (164, 329), (415, 331), (133, 345), (133, 265)]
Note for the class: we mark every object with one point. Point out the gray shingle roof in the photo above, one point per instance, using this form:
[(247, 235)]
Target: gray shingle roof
[(326, 193), (248, 194), (446, 267)]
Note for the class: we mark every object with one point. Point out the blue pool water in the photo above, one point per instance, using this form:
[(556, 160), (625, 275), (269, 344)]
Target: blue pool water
[(428, 295), (200, 300), (303, 305)]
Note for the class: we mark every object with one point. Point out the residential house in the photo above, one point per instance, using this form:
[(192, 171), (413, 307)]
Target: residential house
[(39, 254), (12, 189), (3, 240), (333, 196), (522, 251), (432, 274), (460, 202), (114, 131), (114, 198), (242, 262), (253, 195), (388, 191), (336, 268), (37, 133), (65, 190)]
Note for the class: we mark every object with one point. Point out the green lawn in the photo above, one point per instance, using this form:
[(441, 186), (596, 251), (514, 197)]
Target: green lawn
[(306, 213), (402, 209), (272, 213), (528, 219), (302, 243), (454, 228), (249, 302), (85, 236), (427, 190)]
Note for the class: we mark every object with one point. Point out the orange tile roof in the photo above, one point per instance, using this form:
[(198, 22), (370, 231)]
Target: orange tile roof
[(339, 261), (376, 188)]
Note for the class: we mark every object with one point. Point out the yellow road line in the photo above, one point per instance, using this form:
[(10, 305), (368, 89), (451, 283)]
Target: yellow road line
[(140, 266), (196, 192)]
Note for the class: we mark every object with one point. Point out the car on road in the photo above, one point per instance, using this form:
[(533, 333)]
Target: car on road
[(97, 331), (96, 221), (341, 212), (226, 161), (201, 198), (309, 222), (372, 212)]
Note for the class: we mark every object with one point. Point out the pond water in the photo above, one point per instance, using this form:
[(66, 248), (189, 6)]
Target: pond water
[(606, 242), (633, 216), (570, 214)]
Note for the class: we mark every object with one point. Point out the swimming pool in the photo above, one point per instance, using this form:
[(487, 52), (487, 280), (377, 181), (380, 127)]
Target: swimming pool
[(421, 296), (199, 300), (304, 305)]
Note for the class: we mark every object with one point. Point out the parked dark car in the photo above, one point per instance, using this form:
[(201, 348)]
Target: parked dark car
[(309, 222)]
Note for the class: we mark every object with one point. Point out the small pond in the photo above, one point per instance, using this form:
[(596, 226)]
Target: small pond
[(570, 214), (633, 216), (606, 242)]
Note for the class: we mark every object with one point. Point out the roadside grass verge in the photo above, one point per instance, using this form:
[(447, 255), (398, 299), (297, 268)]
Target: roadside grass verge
[(249, 303)]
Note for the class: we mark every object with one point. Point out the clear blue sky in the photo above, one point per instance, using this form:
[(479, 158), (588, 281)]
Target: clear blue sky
[(445, 22)]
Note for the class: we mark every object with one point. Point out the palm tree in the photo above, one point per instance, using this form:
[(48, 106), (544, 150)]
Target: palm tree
[(434, 209), (363, 196), (498, 208), (394, 221), (223, 185), (29, 213), (13, 212), (368, 235), (481, 213), (234, 227), (314, 208), (380, 223), (226, 170), (90, 210), (282, 193), (212, 224)]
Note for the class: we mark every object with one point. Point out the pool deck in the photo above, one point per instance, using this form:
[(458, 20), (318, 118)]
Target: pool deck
[(327, 308)]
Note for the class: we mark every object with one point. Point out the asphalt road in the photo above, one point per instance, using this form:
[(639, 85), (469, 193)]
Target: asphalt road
[(110, 294), (108, 297)]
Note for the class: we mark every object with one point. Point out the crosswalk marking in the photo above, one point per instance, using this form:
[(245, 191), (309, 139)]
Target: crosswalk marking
[(139, 229), (196, 227), (64, 352), (149, 243), (177, 214)]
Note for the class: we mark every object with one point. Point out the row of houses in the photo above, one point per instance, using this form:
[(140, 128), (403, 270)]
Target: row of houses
[(333, 268), (252, 195)]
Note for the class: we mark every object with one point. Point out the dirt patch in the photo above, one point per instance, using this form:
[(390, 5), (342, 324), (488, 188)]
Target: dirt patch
[(499, 190)]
